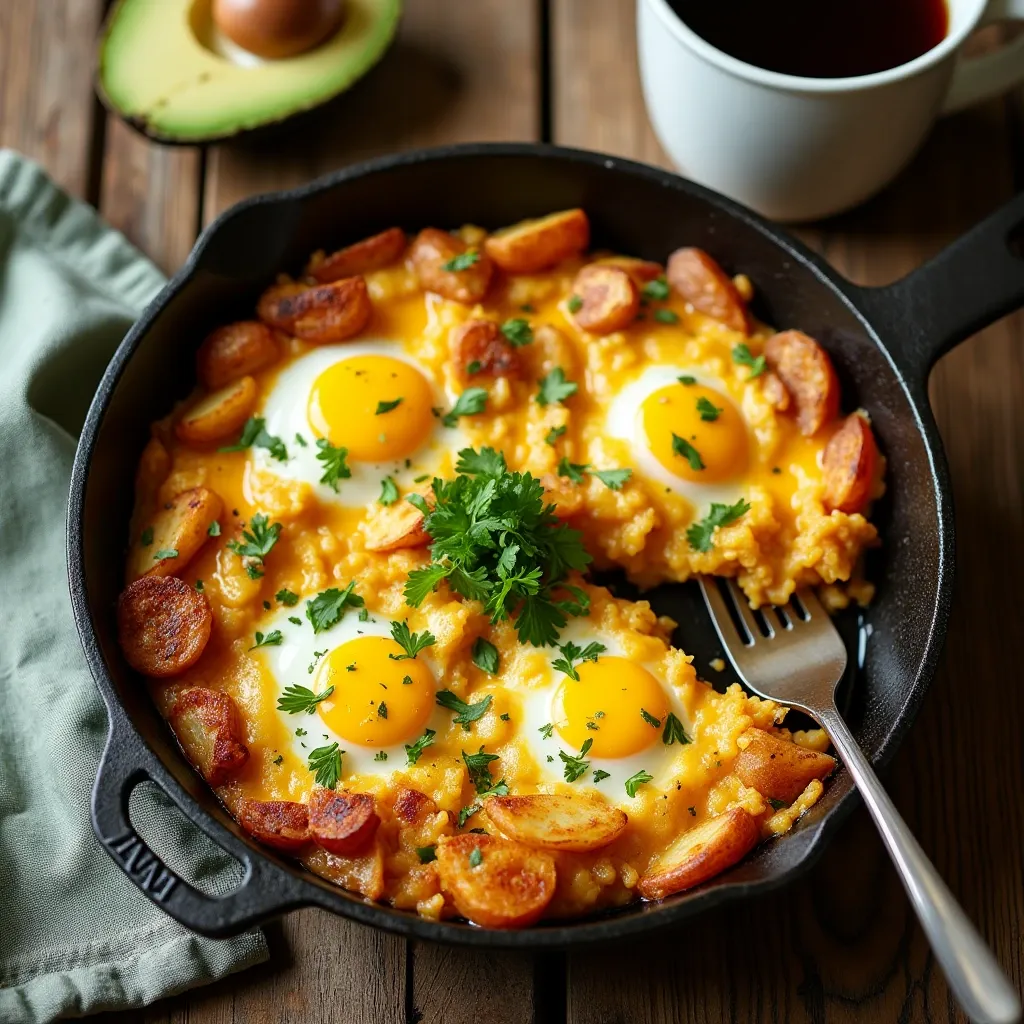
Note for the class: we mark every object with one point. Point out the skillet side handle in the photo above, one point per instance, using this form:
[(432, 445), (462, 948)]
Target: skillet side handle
[(967, 286), (264, 891)]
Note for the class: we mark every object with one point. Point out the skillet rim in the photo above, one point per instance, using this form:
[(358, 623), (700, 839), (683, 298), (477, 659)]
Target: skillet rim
[(633, 918)]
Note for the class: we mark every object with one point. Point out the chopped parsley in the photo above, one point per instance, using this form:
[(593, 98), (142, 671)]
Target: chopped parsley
[(546, 730), (700, 534), (317, 655), (465, 713), (295, 620), (680, 446), (279, 759), (413, 750), (326, 763), (381, 755), (473, 368), (576, 767), (301, 441), (741, 354), (471, 402), (674, 731), (600, 775), (475, 857), (571, 653), (518, 331), (634, 782), (165, 553), (426, 853), (199, 586), (213, 530), (479, 767), (463, 261), (333, 461), (388, 491), (575, 303), (709, 412), (549, 438), (506, 717), (382, 710), (555, 388), (273, 639), (254, 435), (327, 608), (687, 379), (257, 542), (613, 479), (666, 316), (500, 789), (656, 290), (407, 680), (286, 597), (650, 719), (147, 533), (411, 643), (298, 699), (777, 805), (383, 407), (575, 471), (485, 655)]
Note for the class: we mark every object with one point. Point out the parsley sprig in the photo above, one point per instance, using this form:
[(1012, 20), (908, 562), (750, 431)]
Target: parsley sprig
[(333, 461), (463, 261), (257, 542), (326, 763), (555, 388), (674, 731), (272, 639), (634, 782), (413, 750), (742, 355), (471, 402), (298, 699), (575, 766), (327, 608), (680, 446), (700, 534), (479, 767), (254, 435), (517, 331), (571, 653), (466, 714), (485, 655), (411, 643)]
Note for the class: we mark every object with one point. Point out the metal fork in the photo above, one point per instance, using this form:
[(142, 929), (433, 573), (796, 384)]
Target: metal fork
[(799, 663)]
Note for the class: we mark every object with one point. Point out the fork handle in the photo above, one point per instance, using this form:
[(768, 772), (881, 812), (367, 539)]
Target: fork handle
[(974, 975)]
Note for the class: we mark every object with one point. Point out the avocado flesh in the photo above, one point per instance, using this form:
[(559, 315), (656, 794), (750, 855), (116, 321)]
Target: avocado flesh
[(154, 71)]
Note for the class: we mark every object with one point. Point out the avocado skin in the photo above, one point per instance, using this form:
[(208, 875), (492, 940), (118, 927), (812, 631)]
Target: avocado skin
[(365, 35)]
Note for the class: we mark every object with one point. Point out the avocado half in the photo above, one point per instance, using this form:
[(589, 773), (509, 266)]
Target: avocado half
[(159, 71)]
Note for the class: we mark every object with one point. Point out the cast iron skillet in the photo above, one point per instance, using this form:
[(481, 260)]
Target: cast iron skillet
[(882, 340)]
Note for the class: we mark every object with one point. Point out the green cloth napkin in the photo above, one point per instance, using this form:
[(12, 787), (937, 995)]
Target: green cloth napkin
[(76, 936)]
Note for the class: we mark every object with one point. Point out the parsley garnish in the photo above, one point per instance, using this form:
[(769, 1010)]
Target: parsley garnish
[(257, 542), (600, 774), (555, 388), (554, 434), (253, 570), (501, 789), (473, 368), (650, 719), (656, 290), (699, 534), (666, 316), (777, 805), (326, 763), (518, 331), (147, 534), (463, 261), (506, 717), (298, 699), (327, 608), (709, 412), (382, 710), (381, 755), (301, 441), (634, 782), (575, 303), (674, 731), (576, 767), (426, 853), (272, 639), (571, 654), (286, 597), (687, 379), (475, 857), (546, 730), (680, 446), (388, 491), (573, 470), (613, 479), (213, 530), (485, 655), (413, 750), (411, 643), (279, 759), (466, 713), (383, 407), (479, 767), (254, 435), (333, 460), (295, 620), (496, 540), (165, 553), (199, 586), (741, 354), (471, 402)]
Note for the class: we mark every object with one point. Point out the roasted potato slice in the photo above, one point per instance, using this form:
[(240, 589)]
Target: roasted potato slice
[(179, 530), (371, 253), (282, 824), (496, 882), (432, 249), (479, 349), (609, 299), (777, 768), (322, 314), (533, 245), (209, 729), (701, 853), (413, 807), (806, 370), (849, 465), (342, 823), (235, 350), (362, 872), (700, 281), (218, 415), (163, 625), (557, 821), (395, 527)]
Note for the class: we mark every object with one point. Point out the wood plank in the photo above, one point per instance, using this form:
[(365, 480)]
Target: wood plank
[(47, 108), (843, 944)]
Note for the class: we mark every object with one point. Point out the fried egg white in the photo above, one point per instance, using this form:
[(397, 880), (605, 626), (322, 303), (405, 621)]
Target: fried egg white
[(605, 705), (369, 398), (380, 701), (684, 431)]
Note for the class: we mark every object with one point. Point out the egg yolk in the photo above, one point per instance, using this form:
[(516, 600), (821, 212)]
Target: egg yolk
[(607, 705), (696, 433), (377, 407), (377, 701)]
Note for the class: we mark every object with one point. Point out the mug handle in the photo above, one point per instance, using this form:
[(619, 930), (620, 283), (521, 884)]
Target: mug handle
[(980, 78)]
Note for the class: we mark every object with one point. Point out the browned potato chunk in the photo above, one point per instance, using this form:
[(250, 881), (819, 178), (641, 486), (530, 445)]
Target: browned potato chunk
[(179, 530), (806, 370), (342, 823), (479, 349), (163, 625), (701, 853), (698, 279), (609, 297), (282, 824), (362, 873), (495, 882), (234, 351), (778, 769), (220, 415), (371, 253), (322, 314), (209, 730), (557, 821), (413, 807), (395, 527), (533, 245), (433, 249), (642, 271), (849, 464)]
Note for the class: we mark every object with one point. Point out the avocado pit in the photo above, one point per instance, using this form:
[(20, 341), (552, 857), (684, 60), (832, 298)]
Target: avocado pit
[(276, 29)]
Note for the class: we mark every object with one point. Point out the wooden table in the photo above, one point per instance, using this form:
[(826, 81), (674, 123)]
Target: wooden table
[(841, 944)]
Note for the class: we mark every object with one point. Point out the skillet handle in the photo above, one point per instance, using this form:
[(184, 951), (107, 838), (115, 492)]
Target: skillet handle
[(264, 891), (967, 286)]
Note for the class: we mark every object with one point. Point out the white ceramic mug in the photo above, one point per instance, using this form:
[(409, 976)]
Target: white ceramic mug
[(801, 148)]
